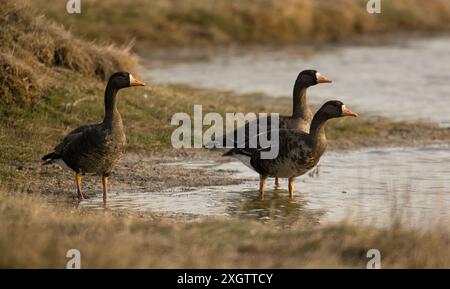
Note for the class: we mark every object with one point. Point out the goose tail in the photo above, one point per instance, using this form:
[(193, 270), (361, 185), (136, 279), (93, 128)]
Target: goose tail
[(230, 152), (50, 158)]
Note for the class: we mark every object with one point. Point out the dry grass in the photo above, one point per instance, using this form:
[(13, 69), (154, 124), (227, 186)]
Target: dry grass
[(35, 234), (160, 23), (36, 55)]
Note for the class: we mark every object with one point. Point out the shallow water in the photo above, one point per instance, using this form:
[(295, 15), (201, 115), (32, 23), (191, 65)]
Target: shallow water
[(406, 80), (370, 186)]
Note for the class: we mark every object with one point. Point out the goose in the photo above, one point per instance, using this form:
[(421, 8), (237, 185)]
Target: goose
[(96, 148), (301, 112), (298, 151)]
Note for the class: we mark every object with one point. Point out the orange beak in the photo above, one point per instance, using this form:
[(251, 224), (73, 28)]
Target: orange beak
[(322, 79), (348, 112), (136, 82)]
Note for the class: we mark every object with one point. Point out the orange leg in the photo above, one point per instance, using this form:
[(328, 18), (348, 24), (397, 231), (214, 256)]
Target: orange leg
[(291, 186), (277, 182), (105, 191), (78, 182), (262, 186)]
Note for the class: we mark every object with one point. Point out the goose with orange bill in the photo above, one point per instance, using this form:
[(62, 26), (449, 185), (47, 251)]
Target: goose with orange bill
[(96, 148)]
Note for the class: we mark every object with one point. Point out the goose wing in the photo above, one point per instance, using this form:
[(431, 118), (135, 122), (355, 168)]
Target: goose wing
[(69, 138), (242, 134), (291, 152)]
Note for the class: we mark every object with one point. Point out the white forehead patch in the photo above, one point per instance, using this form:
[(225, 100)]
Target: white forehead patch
[(131, 78), (318, 75), (343, 107)]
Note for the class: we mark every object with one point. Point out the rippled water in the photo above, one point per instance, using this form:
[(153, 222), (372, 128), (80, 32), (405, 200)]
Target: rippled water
[(371, 186), (408, 80)]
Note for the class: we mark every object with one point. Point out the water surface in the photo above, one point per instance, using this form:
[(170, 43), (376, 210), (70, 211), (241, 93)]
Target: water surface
[(370, 186), (405, 80)]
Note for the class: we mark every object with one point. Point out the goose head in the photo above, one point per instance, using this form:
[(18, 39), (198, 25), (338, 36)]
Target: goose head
[(335, 109), (124, 79), (311, 77)]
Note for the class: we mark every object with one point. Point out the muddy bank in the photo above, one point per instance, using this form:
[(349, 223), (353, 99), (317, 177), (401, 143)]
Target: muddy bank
[(163, 169), (152, 171)]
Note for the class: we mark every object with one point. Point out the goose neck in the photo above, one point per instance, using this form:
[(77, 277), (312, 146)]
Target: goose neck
[(300, 104), (317, 130), (110, 104)]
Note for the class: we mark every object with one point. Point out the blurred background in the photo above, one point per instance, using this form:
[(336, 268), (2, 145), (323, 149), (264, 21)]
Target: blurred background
[(175, 23), (395, 56)]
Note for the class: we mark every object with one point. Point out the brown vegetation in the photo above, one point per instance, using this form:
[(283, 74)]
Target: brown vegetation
[(36, 55), (35, 234), (161, 23)]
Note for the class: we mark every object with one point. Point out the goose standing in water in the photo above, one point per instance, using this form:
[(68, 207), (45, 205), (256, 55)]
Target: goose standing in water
[(96, 148), (301, 112), (298, 151)]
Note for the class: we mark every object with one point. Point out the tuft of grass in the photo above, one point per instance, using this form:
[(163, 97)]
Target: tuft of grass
[(162, 23), (36, 55), (153, 242)]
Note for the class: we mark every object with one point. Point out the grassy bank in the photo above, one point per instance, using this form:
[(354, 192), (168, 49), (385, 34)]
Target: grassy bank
[(37, 56), (161, 23), (123, 240)]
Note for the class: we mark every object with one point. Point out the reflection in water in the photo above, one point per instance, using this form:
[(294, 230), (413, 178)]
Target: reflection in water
[(240, 201), (372, 186), (407, 80), (276, 209)]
